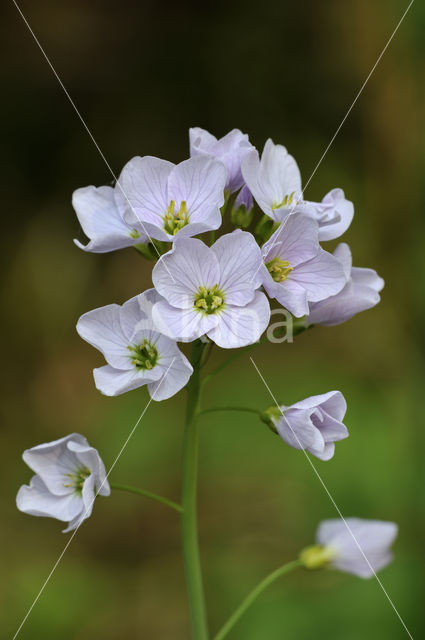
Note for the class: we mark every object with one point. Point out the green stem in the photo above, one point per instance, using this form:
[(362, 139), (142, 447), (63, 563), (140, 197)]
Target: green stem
[(254, 595), (147, 494), (191, 556), (246, 409)]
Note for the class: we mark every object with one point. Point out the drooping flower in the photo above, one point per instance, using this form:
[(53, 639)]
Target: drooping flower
[(360, 293), (357, 546), (297, 270), (212, 291), (334, 214), (275, 183), (100, 214), (69, 475), (173, 200), (136, 352), (313, 424), (274, 180), (230, 149)]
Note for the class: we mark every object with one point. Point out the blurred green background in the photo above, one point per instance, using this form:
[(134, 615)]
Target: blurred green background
[(142, 74)]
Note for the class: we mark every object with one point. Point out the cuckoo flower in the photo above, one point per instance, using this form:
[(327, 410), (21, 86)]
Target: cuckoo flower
[(297, 270), (173, 200), (136, 352), (212, 291), (69, 475), (360, 293), (230, 149), (334, 214), (357, 546), (313, 424), (100, 213), (274, 181)]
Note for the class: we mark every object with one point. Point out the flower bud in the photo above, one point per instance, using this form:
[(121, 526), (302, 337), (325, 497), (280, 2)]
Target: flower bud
[(243, 209)]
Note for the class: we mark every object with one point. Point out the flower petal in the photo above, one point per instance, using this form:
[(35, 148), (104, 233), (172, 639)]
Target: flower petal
[(102, 329), (321, 277), (183, 325), (113, 382), (175, 377), (240, 326), (37, 500), (178, 275), (239, 257), (101, 221)]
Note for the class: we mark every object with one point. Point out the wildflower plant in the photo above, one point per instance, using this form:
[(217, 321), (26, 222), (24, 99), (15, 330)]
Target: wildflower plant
[(214, 291)]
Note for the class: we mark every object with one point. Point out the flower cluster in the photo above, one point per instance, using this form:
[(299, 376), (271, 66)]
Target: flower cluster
[(216, 291)]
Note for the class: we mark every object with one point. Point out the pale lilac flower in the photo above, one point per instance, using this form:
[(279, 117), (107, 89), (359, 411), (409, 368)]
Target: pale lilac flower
[(274, 181), (69, 475), (100, 215), (230, 149), (313, 424), (374, 537), (360, 293), (173, 200), (297, 270), (212, 291), (334, 214), (136, 352)]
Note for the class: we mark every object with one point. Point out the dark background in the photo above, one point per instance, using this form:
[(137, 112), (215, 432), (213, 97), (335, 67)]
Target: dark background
[(142, 73)]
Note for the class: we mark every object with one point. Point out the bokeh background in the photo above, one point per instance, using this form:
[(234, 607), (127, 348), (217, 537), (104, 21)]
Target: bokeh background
[(141, 75)]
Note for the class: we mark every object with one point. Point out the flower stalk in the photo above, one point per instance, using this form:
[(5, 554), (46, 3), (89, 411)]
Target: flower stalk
[(253, 595), (191, 556), (147, 494)]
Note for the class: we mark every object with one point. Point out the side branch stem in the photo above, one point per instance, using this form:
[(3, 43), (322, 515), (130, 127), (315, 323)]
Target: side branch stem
[(254, 595), (147, 494)]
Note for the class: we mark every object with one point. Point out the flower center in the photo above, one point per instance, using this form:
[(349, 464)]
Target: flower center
[(134, 234), (287, 201), (77, 479), (209, 300), (175, 220), (279, 269), (143, 356)]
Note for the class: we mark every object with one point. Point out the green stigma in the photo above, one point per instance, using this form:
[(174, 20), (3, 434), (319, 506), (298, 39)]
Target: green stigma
[(77, 479), (287, 201), (209, 300), (134, 234), (143, 356), (176, 220), (279, 269)]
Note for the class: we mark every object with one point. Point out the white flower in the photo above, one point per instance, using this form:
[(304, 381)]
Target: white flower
[(136, 352), (212, 291), (230, 149), (359, 294), (173, 200), (69, 474), (275, 182), (344, 545), (313, 424), (334, 214), (297, 270), (100, 213)]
